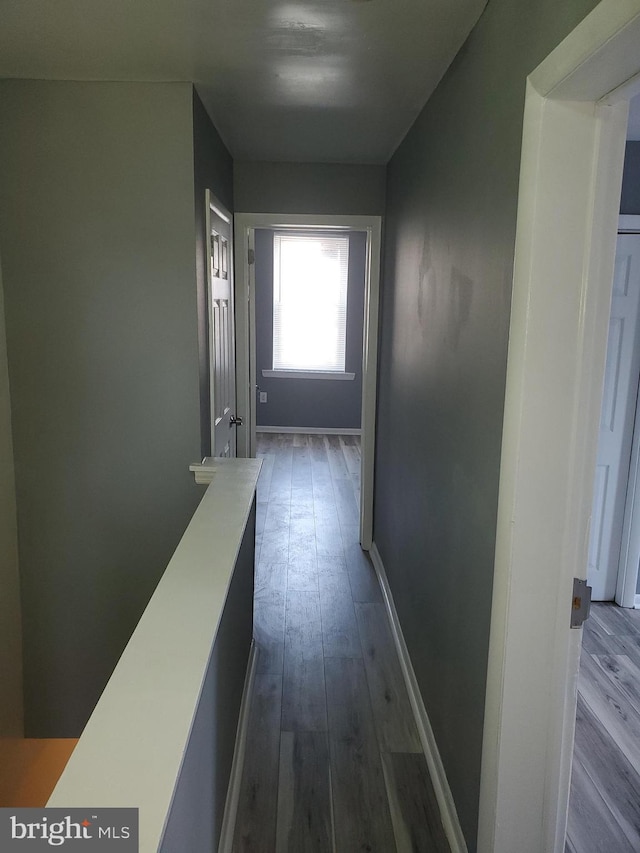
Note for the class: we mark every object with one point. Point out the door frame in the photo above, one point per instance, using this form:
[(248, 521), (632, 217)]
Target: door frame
[(627, 583), (244, 244), (574, 134)]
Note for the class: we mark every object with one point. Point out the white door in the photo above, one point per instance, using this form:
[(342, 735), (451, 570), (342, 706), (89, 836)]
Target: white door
[(616, 423), (221, 329)]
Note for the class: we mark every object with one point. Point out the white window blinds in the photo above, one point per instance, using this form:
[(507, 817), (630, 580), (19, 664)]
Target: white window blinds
[(310, 302)]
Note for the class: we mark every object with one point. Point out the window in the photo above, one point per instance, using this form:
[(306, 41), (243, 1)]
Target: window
[(310, 303)]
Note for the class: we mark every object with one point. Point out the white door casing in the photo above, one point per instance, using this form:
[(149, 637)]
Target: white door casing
[(221, 327), (245, 225), (572, 156), (629, 565), (616, 422)]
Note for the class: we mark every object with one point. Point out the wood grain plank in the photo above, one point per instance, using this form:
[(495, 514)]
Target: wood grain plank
[(620, 670), (614, 711), (268, 615), (591, 826), (304, 823), (392, 712), (415, 815), (596, 640), (337, 463), (340, 637), (613, 619), (274, 547), (303, 548), (627, 644), (346, 502), (360, 806), (302, 573), (303, 695), (301, 467), (268, 630), (255, 830), (362, 576), (332, 565), (328, 540), (615, 779), (351, 453)]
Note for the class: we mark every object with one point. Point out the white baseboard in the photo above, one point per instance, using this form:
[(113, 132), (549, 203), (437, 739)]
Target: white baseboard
[(233, 791), (443, 794), (311, 430)]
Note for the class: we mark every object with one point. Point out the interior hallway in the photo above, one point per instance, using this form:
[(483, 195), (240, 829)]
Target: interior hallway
[(333, 759), (604, 809)]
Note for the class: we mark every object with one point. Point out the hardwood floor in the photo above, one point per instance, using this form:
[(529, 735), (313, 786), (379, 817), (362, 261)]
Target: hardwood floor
[(604, 808), (333, 761)]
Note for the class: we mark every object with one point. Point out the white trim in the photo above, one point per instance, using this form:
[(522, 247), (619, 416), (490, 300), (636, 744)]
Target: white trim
[(444, 797), (307, 374), (637, 602), (627, 579), (233, 791), (571, 169), (310, 430), (245, 225), (629, 223)]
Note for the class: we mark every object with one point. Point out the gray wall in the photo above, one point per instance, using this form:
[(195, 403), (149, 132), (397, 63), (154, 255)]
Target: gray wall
[(450, 226), (330, 188), (11, 717), (630, 196), (309, 402), (97, 242), (213, 170), (195, 818)]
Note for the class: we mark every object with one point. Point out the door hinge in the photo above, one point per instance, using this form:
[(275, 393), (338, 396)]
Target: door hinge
[(580, 603), (251, 257)]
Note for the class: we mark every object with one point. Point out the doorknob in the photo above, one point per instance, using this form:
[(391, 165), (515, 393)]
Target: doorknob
[(235, 420)]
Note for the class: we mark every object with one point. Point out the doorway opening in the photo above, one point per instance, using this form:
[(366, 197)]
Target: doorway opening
[(614, 546), (250, 374), (572, 156)]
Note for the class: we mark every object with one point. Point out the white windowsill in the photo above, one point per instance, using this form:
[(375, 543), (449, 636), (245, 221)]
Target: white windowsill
[(307, 374)]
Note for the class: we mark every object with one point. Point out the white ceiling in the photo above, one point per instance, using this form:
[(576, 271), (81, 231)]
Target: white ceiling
[(313, 80)]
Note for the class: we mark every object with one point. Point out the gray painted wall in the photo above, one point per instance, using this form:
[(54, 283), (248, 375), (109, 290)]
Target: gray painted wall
[(630, 196), (309, 402), (97, 240), (331, 188), (11, 715), (213, 170), (450, 226), (195, 818)]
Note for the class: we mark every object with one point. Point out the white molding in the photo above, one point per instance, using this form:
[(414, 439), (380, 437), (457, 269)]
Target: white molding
[(444, 797), (233, 791), (629, 223), (307, 374), (627, 579), (568, 206), (637, 602), (596, 58), (245, 225), (310, 430)]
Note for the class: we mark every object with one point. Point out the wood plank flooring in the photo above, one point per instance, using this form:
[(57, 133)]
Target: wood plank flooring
[(604, 807), (333, 761)]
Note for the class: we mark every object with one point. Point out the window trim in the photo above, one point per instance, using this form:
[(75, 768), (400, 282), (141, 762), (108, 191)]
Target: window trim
[(308, 374)]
